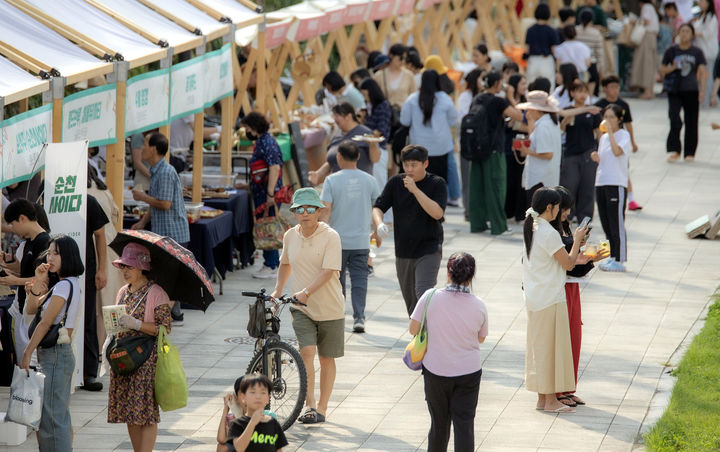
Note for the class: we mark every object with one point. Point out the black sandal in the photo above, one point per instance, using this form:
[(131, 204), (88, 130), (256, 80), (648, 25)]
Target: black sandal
[(311, 416), (565, 399)]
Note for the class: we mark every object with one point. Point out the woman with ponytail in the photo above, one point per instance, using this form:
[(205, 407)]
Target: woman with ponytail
[(548, 359), (456, 323)]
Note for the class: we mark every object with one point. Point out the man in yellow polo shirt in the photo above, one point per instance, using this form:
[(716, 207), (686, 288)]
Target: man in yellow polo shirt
[(312, 253)]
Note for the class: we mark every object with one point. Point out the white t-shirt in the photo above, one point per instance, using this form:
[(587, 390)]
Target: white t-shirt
[(543, 276), (648, 12), (612, 169), (62, 289), (575, 52), (182, 133), (545, 138)]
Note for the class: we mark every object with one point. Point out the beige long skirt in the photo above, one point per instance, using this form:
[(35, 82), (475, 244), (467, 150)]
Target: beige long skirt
[(548, 360), (645, 63)]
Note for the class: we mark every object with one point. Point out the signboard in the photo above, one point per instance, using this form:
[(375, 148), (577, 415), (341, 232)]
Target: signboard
[(187, 87), (90, 115), (147, 101), (66, 207), (21, 144), (218, 75)]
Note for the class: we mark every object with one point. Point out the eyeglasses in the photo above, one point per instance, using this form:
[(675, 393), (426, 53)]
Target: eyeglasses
[(302, 209)]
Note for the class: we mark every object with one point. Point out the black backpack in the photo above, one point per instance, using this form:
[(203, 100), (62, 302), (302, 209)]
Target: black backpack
[(477, 137)]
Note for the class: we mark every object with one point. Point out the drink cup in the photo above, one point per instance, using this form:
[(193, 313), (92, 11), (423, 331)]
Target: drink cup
[(591, 250), (603, 126), (604, 246)]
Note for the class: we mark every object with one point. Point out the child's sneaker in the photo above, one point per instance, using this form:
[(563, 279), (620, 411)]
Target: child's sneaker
[(611, 265), (632, 205)]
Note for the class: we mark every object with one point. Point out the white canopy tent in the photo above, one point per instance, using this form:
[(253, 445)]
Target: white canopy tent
[(238, 12), (208, 26), (17, 84)]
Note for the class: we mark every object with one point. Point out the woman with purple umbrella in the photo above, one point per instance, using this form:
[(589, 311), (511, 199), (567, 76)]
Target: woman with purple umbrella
[(131, 399)]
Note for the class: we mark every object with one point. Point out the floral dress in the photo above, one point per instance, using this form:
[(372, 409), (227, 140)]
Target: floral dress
[(131, 399)]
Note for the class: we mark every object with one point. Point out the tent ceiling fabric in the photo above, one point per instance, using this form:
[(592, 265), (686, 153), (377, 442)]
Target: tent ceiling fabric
[(97, 25), (185, 11), (16, 81), (149, 20), (237, 12), (35, 39)]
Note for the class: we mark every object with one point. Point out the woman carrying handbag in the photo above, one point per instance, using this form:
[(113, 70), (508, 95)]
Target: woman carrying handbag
[(265, 181), (457, 323)]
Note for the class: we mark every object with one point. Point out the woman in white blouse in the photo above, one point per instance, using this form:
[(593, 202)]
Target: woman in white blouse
[(645, 57), (548, 358), (706, 39)]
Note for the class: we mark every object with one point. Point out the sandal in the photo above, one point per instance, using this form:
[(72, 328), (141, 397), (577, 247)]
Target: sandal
[(564, 409), (576, 399), (311, 416), (567, 401)]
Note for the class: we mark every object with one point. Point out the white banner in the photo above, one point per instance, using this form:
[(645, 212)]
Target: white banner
[(147, 101), (219, 77), (187, 87), (66, 207), (21, 142), (90, 115)]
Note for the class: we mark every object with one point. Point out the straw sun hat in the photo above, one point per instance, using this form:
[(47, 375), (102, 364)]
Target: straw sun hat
[(540, 101)]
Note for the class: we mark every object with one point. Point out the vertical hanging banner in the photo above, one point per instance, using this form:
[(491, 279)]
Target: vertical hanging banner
[(21, 144), (219, 76), (187, 87), (90, 115), (147, 101), (66, 207)]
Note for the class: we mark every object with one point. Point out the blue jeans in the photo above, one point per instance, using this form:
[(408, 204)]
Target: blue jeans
[(453, 180), (58, 365), (356, 263)]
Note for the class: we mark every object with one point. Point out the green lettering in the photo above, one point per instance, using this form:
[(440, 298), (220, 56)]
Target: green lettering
[(91, 112), (190, 83), (21, 141), (74, 117), (141, 97), (224, 69), (271, 439), (75, 201), (53, 204), (254, 436)]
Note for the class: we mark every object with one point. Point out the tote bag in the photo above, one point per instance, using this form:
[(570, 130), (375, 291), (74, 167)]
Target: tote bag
[(269, 231), (416, 349), (171, 388)]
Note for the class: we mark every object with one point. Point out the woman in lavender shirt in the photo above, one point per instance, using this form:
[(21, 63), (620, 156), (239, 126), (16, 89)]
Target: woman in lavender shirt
[(457, 323)]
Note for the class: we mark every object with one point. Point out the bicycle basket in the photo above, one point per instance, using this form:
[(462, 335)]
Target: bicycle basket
[(256, 322)]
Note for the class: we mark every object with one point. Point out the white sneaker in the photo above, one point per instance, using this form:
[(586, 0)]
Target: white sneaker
[(265, 273)]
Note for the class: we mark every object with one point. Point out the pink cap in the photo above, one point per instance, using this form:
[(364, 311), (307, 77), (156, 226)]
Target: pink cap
[(134, 255)]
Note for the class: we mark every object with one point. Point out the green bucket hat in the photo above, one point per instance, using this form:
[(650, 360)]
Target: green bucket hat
[(306, 197)]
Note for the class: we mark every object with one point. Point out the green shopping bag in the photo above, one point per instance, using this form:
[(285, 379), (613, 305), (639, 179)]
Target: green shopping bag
[(171, 389)]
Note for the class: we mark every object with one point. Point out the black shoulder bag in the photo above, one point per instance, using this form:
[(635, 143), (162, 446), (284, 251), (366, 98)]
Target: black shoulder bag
[(51, 337), (128, 354)]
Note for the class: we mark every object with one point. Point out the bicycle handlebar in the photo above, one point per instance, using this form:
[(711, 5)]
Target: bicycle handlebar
[(282, 300)]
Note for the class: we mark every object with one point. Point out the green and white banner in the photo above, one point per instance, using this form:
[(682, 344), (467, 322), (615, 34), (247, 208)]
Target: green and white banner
[(21, 144), (187, 87), (219, 78), (147, 101), (90, 115), (66, 207)]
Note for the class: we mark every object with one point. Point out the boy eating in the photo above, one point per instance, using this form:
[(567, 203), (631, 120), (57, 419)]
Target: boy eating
[(255, 431)]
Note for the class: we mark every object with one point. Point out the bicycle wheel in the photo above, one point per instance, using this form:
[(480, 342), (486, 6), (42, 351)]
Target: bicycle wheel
[(287, 373)]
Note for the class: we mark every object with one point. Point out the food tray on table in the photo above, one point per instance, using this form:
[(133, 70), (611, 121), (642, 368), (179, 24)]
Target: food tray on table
[(209, 212)]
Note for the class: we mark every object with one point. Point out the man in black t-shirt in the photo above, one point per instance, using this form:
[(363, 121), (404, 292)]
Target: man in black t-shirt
[(23, 216), (95, 279), (418, 200)]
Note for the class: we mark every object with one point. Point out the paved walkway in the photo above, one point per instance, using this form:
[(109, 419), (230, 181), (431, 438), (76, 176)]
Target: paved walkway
[(633, 323)]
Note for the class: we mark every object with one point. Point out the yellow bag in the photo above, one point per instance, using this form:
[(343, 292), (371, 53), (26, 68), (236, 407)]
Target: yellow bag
[(171, 388), (416, 349)]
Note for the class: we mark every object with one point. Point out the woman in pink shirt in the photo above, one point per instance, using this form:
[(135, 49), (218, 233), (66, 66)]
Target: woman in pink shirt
[(457, 323)]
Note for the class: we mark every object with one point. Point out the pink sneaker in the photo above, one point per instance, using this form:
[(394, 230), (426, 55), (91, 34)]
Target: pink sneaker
[(634, 206)]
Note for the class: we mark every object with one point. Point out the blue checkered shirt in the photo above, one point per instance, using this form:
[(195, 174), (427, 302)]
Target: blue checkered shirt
[(165, 186)]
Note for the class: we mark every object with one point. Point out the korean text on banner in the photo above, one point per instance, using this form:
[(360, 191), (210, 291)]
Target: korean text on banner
[(21, 143), (66, 207), (147, 101), (187, 87), (90, 115), (219, 78)]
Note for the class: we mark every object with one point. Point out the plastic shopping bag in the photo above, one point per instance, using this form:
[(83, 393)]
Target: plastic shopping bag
[(171, 388), (26, 394)]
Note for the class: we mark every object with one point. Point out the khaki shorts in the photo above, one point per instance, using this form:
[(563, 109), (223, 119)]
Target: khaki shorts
[(327, 335)]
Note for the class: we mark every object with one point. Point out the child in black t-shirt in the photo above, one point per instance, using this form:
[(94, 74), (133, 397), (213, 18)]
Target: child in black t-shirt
[(611, 89), (255, 431)]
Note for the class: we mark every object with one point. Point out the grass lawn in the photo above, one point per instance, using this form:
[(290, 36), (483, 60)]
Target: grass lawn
[(692, 420)]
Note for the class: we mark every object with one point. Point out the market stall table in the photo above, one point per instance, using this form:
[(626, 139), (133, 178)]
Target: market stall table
[(239, 204)]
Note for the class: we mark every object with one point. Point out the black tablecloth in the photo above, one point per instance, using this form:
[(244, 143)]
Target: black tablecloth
[(240, 206), (211, 241)]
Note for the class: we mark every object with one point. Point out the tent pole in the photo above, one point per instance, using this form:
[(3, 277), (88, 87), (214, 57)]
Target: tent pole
[(198, 127), (57, 86), (115, 165), (166, 63), (2, 108), (226, 119), (261, 66)]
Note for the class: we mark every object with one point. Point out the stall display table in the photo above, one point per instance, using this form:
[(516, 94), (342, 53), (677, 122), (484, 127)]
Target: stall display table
[(239, 204)]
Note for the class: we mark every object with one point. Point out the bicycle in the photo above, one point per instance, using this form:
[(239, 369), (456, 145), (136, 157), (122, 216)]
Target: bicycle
[(279, 361)]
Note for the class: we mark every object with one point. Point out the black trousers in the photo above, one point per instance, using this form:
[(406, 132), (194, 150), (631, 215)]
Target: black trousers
[(577, 174), (438, 166), (515, 199), (91, 352), (688, 102), (611, 200), (451, 399)]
